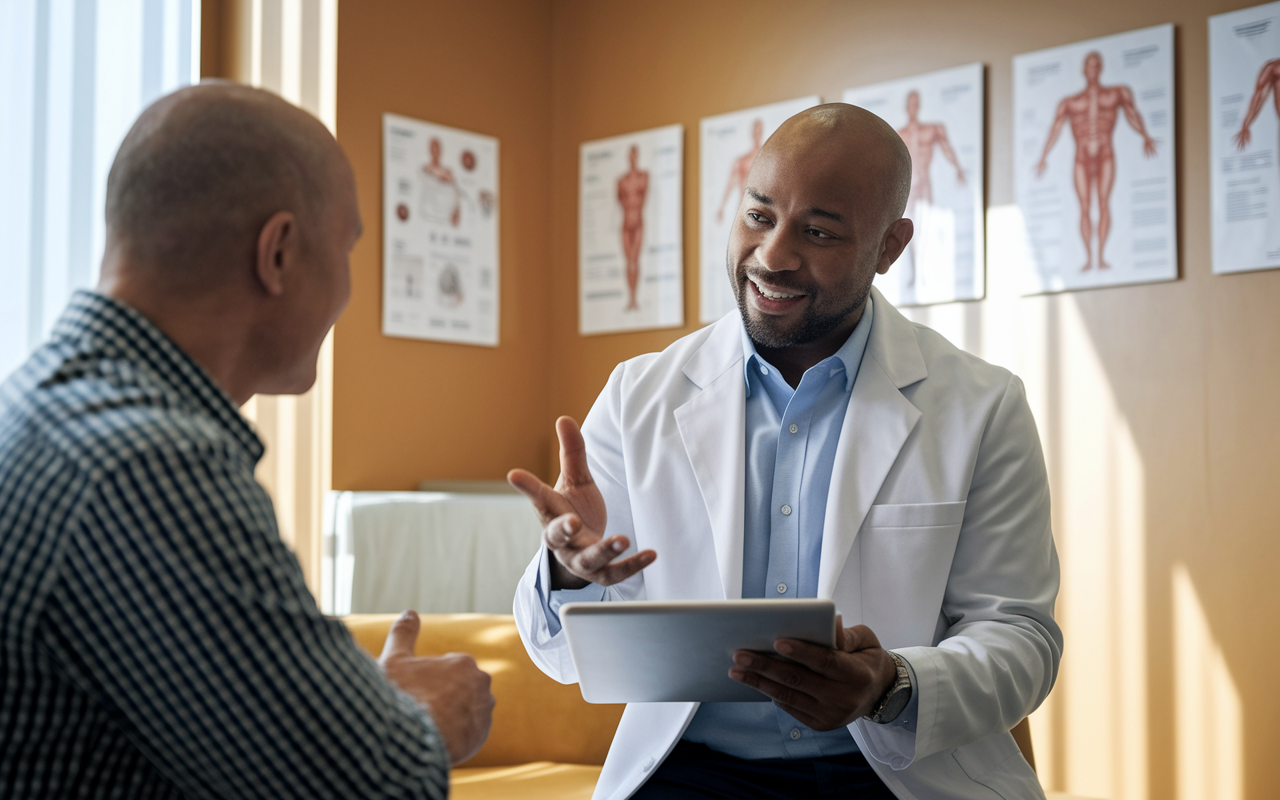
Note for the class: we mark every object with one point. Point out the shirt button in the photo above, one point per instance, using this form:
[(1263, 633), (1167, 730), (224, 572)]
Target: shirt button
[(795, 734), (794, 427), (764, 370), (782, 588), (649, 762), (786, 511)]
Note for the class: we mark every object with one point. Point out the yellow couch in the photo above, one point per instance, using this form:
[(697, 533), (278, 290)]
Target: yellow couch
[(546, 741)]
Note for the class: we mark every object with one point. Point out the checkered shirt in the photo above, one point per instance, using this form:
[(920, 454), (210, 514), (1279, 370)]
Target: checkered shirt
[(156, 636)]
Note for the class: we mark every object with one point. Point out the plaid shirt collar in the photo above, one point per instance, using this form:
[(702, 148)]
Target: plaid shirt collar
[(94, 323)]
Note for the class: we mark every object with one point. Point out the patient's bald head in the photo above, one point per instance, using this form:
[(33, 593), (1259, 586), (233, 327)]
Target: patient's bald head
[(201, 171), (231, 216)]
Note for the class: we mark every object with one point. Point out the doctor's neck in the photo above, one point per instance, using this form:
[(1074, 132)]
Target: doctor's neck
[(806, 347)]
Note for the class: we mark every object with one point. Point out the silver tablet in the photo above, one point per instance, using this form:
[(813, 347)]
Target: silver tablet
[(662, 652)]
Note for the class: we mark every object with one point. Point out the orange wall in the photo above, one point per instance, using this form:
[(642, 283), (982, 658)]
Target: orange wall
[(405, 410)]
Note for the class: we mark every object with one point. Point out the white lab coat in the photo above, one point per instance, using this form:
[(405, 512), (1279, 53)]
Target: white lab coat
[(936, 536)]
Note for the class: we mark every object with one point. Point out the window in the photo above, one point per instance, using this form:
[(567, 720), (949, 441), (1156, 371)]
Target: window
[(74, 74)]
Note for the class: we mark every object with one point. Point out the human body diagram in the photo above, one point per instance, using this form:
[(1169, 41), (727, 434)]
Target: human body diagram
[(741, 168), (633, 188), (441, 195), (1093, 114), (921, 138), (1268, 83)]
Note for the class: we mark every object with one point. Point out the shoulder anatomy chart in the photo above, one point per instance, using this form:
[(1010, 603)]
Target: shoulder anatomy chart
[(630, 245), (939, 115), (440, 233), (1244, 137), (727, 149), (1094, 161)]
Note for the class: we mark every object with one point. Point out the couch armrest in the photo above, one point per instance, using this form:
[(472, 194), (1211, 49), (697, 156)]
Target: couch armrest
[(535, 719)]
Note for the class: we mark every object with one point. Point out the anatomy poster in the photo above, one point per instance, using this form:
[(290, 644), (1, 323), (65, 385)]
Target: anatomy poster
[(1244, 94), (1094, 161), (728, 147), (630, 258), (440, 233), (940, 117)]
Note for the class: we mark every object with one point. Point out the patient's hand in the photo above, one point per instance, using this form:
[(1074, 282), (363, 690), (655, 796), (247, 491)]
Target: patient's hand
[(574, 515), (452, 687)]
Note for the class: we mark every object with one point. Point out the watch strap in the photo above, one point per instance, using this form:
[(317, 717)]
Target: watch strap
[(896, 698)]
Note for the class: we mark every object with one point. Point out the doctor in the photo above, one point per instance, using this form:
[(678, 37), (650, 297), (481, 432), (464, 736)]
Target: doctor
[(816, 444)]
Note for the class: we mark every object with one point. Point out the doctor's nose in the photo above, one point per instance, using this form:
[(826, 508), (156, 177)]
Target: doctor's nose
[(777, 253)]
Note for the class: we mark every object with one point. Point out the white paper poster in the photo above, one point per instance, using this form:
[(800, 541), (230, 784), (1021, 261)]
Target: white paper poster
[(630, 256), (728, 147), (940, 117), (439, 233), (1244, 134), (1094, 161)]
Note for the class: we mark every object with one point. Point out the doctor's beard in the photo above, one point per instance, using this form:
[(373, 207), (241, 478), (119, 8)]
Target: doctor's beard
[(814, 324)]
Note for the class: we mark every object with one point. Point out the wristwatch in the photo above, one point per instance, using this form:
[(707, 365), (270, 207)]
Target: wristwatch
[(896, 698)]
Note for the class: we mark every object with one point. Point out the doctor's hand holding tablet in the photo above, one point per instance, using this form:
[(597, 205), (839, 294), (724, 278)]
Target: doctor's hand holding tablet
[(827, 679)]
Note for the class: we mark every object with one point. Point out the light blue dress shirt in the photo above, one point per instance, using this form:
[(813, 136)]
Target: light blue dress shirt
[(791, 438)]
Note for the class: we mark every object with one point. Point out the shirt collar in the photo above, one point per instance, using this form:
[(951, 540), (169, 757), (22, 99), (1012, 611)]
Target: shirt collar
[(850, 353), (102, 325)]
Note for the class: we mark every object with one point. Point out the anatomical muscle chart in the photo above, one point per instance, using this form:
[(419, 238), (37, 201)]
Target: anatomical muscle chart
[(1244, 138), (1094, 161), (939, 116), (630, 209), (727, 149), (440, 233)]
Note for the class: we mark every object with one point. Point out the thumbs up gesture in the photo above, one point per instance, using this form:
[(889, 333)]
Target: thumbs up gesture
[(452, 688)]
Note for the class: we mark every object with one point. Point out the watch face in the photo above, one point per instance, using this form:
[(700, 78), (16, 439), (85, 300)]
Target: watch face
[(897, 701)]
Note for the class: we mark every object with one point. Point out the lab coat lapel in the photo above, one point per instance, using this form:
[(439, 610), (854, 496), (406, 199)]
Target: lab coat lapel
[(712, 426), (876, 425)]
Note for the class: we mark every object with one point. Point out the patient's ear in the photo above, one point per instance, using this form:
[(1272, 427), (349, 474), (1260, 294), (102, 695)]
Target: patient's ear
[(278, 249)]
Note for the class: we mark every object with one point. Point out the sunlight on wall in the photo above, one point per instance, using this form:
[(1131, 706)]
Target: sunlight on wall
[(1209, 713), (1103, 599), (1091, 736)]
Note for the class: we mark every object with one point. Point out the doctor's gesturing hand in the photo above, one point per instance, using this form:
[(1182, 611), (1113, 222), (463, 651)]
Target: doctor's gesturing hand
[(573, 514)]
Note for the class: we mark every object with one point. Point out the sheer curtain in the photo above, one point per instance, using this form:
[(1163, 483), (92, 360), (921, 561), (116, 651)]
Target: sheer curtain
[(290, 47), (73, 76)]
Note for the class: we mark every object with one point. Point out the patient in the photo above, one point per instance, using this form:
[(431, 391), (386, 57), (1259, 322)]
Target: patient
[(156, 636)]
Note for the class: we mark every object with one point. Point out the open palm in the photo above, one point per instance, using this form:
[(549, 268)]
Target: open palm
[(573, 515)]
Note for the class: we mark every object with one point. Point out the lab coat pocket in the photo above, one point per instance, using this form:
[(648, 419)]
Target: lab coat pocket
[(905, 553), (915, 515)]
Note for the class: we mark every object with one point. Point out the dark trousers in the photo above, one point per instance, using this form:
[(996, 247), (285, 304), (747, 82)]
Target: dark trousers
[(696, 772)]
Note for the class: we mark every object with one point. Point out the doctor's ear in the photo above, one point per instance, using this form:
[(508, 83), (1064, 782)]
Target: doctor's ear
[(895, 241)]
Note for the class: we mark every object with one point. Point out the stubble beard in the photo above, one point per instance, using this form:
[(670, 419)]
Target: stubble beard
[(812, 326)]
